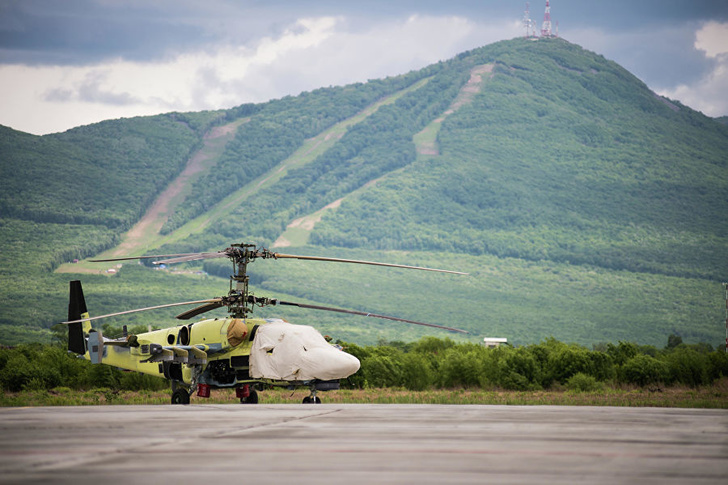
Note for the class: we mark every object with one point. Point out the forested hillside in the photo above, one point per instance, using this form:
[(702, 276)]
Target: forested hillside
[(563, 156), (584, 206)]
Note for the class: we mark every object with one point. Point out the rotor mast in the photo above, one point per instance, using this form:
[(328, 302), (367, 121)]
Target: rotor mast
[(241, 255)]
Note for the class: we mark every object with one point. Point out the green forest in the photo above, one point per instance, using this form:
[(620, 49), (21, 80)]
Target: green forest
[(585, 208)]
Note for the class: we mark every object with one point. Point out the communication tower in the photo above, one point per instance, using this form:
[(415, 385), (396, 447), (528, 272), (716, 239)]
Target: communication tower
[(546, 26), (529, 24)]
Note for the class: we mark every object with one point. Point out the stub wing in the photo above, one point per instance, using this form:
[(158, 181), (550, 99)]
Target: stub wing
[(184, 354)]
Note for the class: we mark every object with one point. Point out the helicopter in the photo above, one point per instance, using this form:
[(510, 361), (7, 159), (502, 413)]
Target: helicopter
[(239, 351)]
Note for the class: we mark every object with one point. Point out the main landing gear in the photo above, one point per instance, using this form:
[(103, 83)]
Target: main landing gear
[(180, 395)]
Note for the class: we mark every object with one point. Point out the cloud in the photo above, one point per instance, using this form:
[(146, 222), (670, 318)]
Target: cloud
[(91, 90), (662, 56), (712, 38), (307, 54), (45, 99), (707, 94)]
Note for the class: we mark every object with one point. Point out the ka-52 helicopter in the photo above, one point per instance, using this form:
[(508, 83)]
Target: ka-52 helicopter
[(237, 352)]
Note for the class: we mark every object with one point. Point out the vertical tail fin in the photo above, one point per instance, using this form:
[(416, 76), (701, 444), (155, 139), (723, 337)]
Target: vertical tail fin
[(76, 311)]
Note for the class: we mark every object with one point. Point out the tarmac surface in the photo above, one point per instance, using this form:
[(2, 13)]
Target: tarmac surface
[(362, 444)]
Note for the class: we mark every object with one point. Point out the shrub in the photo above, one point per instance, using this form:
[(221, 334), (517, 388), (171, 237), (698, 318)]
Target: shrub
[(382, 371), (717, 365), (417, 372), (569, 361), (688, 366), (583, 383), (16, 373), (461, 368), (518, 369), (602, 366), (643, 370), (136, 381), (432, 345), (22, 373), (622, 352), (104, 376)]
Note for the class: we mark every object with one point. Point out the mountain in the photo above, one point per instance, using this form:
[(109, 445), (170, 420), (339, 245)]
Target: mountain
[(585, 206)]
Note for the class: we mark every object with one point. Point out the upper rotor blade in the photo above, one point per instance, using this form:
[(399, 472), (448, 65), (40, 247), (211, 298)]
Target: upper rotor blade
[(193, 257), (200, 310), (197, 302), (365, 314), (141, 257), (356, 261)]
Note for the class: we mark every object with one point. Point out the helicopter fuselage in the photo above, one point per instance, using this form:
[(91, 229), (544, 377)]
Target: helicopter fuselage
[(217, 353)]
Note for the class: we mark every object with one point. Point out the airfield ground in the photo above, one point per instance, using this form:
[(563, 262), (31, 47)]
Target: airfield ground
[(362, 444)]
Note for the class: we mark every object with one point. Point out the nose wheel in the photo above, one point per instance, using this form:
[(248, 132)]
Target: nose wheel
[(313, 398)]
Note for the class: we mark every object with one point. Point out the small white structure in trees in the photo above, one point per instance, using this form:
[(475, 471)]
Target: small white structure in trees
[(492, 342)]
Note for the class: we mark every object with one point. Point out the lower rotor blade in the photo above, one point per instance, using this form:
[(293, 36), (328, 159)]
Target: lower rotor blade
[(356, 261), (199, 310), (197, 302), (365, 314)]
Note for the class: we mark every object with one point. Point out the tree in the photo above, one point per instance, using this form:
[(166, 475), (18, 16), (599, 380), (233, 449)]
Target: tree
[(643, 370), (673, 341)]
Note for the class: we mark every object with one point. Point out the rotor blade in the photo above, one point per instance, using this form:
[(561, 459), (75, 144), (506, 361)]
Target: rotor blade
[(141, 257), (200, 310), (355, 261), (197, 302), (365, 314), (193, 257)]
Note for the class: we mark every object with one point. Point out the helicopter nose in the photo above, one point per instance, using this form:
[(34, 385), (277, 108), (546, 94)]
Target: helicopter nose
[(347, 364), (328, 363)]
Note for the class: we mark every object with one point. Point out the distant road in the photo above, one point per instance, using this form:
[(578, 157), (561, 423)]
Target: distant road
[(362, 444)]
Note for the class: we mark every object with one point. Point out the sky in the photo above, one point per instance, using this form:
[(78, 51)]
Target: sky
[(66, 63)]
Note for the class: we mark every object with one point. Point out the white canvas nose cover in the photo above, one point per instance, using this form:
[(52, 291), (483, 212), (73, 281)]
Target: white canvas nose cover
[(288, 352)]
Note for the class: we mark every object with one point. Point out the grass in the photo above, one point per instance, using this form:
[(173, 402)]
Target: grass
[(709, 397)]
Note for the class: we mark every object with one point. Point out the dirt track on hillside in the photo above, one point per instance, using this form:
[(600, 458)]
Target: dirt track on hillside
[(465, 96), (151, 223), (155, 217)]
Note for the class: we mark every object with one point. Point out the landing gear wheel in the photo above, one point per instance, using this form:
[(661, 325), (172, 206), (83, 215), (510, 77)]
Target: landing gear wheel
[(180, 396), (251, 399), (311, 400)]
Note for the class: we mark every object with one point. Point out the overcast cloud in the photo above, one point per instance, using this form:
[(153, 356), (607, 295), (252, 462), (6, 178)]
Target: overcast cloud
[(74, 62)]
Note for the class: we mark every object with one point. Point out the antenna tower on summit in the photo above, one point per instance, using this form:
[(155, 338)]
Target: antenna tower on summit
[(546, 26), (529, 24)]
